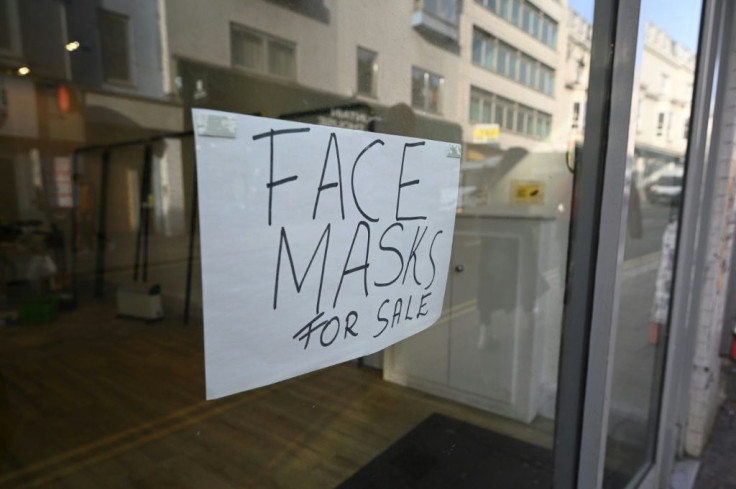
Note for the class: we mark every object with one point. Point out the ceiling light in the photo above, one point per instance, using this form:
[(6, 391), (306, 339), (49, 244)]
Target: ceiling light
[(72, 46), (23, 70)]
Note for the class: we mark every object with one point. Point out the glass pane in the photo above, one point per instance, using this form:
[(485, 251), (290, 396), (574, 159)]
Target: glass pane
[(247, 49), (281, 59), (490, 57), (477, 47), (667, 51), (367, 69), (106, 288)]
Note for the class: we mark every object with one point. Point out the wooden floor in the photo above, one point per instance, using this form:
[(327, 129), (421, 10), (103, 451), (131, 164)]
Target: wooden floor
[(91, 401)]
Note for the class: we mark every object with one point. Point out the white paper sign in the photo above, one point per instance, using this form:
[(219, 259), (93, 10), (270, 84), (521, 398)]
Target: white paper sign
[(319, 244)]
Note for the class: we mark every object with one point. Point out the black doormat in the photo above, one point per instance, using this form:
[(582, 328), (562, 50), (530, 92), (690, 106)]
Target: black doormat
[(443, 452)]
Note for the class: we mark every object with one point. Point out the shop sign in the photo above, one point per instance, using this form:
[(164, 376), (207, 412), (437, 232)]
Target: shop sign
[(527, 192), (486, 133), (319, 244)]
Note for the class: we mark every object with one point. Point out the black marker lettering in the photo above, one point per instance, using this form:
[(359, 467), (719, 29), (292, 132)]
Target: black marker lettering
[(413, 255), (324, 186), (352, 179), (308, 329), (381, 319), (403, 184), (397, 312), (423, 304), (364, 266), (394, 250), (431, 259), (284, 242), (271, 183), (349, 325), (322, 334), (408, 306)]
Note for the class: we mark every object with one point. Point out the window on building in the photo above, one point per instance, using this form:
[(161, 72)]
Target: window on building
[(686, 128), (535, 23), (533, 69), (503, 57), (252, 50), (367, 67), (544, 125), (426, 90), (513, 71), (281, 59), (660, 123), (525, 16), (444, 9), (506, 9), (576, 115), (495, 55), (511, 116), (114, 46), (524, 119), (669, 125), (524, 66), (516, 12)]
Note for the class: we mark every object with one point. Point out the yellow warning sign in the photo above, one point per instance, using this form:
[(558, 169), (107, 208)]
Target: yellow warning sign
[(486, 133), (527, 192)]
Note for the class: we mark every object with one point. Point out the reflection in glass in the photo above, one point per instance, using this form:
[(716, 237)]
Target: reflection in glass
[(665, 73), (99, 203)]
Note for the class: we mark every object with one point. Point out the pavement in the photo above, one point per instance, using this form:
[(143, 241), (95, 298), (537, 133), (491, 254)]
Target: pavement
[(718, 463)]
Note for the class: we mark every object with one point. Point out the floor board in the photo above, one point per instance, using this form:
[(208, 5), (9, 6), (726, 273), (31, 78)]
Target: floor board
[(96, 401)]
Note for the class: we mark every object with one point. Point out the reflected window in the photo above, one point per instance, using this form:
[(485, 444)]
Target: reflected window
[(114, 43), (660, 124), (444, 9), (367, 72), (508, 61), (512, 116), (426, 90), (527, 17), (576, 115), (255, 51)]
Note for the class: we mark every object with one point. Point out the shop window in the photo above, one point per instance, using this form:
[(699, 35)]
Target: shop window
[(114, 43), (254, 51), (367, 67), (426, 90)]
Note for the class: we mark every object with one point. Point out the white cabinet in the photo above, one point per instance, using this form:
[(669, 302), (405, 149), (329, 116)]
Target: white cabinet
[(496, 345)]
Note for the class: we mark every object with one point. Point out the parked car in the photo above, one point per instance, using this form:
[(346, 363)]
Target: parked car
[(666, 188)]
